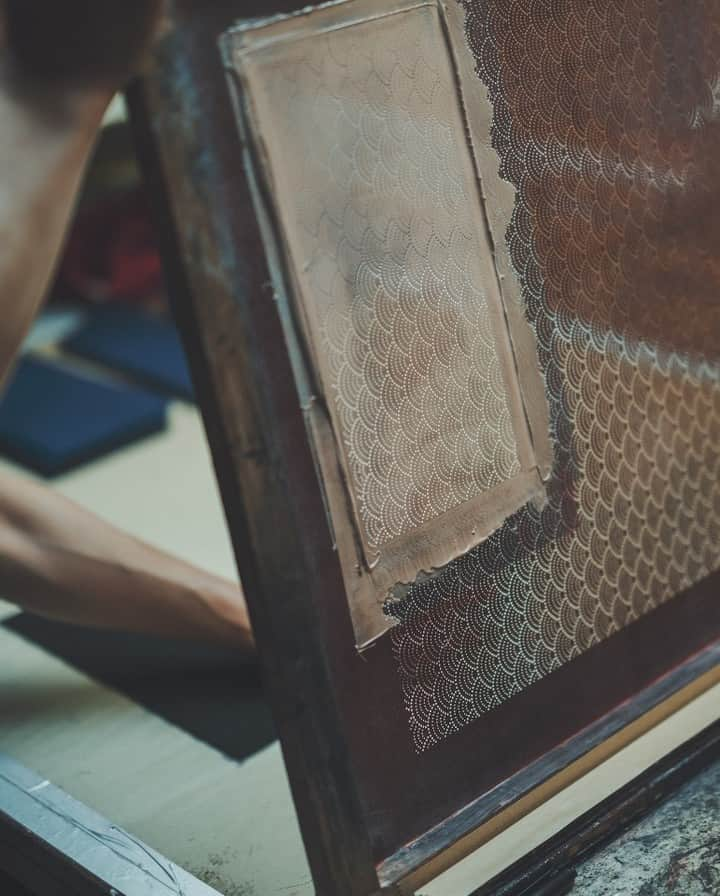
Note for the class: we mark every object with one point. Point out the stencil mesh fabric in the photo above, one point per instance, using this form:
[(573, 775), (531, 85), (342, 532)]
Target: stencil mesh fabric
[(606, 120)]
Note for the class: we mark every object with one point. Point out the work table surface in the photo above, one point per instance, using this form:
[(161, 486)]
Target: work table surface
[(229, 821)]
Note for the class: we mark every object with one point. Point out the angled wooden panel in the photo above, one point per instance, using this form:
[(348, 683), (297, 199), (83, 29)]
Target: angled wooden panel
[(546, 648)]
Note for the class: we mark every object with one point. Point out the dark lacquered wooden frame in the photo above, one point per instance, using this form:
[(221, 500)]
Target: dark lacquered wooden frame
[(373, 813)]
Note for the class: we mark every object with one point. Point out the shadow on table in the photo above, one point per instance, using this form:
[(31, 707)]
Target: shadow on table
[(209, 692)]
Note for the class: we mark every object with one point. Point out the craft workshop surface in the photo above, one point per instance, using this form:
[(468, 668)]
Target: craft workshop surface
[(224, 821), (231, 824)]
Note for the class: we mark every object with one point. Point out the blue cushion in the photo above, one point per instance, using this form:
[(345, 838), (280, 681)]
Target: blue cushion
[(52, 419), (133, 342)]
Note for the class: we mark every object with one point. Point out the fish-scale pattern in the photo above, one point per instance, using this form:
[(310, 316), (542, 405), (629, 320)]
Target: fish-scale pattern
[(606, 120), (384, 230)]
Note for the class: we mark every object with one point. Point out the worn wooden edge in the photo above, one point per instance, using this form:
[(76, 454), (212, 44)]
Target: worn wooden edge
[(559, 856), (427, 857), (220, 288), (52, 844)]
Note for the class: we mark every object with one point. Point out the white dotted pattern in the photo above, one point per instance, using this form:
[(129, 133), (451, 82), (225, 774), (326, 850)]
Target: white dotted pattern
[(384, 229), (606, 121)]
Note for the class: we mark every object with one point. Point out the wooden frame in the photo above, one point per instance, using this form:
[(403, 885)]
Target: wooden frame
[(370, 821), (344, 787)]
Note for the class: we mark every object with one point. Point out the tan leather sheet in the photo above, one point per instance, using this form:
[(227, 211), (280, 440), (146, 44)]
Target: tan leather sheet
[(415, 405)]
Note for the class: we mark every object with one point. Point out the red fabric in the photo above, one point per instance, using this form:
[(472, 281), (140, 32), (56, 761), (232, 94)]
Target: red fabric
[(112, 253)]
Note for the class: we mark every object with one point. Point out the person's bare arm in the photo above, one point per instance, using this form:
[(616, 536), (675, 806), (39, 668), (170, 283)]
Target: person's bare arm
[(60, 561), (60, 65)]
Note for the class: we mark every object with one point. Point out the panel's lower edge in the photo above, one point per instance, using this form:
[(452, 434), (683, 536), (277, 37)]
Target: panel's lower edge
[(557, 859), (52, 844), (479, 822)]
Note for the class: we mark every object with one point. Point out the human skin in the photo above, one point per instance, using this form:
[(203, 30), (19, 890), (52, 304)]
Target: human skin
[(60, 65)]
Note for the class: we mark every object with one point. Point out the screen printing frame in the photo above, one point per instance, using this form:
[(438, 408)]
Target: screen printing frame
[(372, 820)]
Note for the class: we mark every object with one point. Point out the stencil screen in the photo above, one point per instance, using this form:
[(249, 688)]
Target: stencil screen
[(377, 193), (605, 118)]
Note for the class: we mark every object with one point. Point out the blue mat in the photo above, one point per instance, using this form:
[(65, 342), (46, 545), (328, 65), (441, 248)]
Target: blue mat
[(145, 347), (52, 420)]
